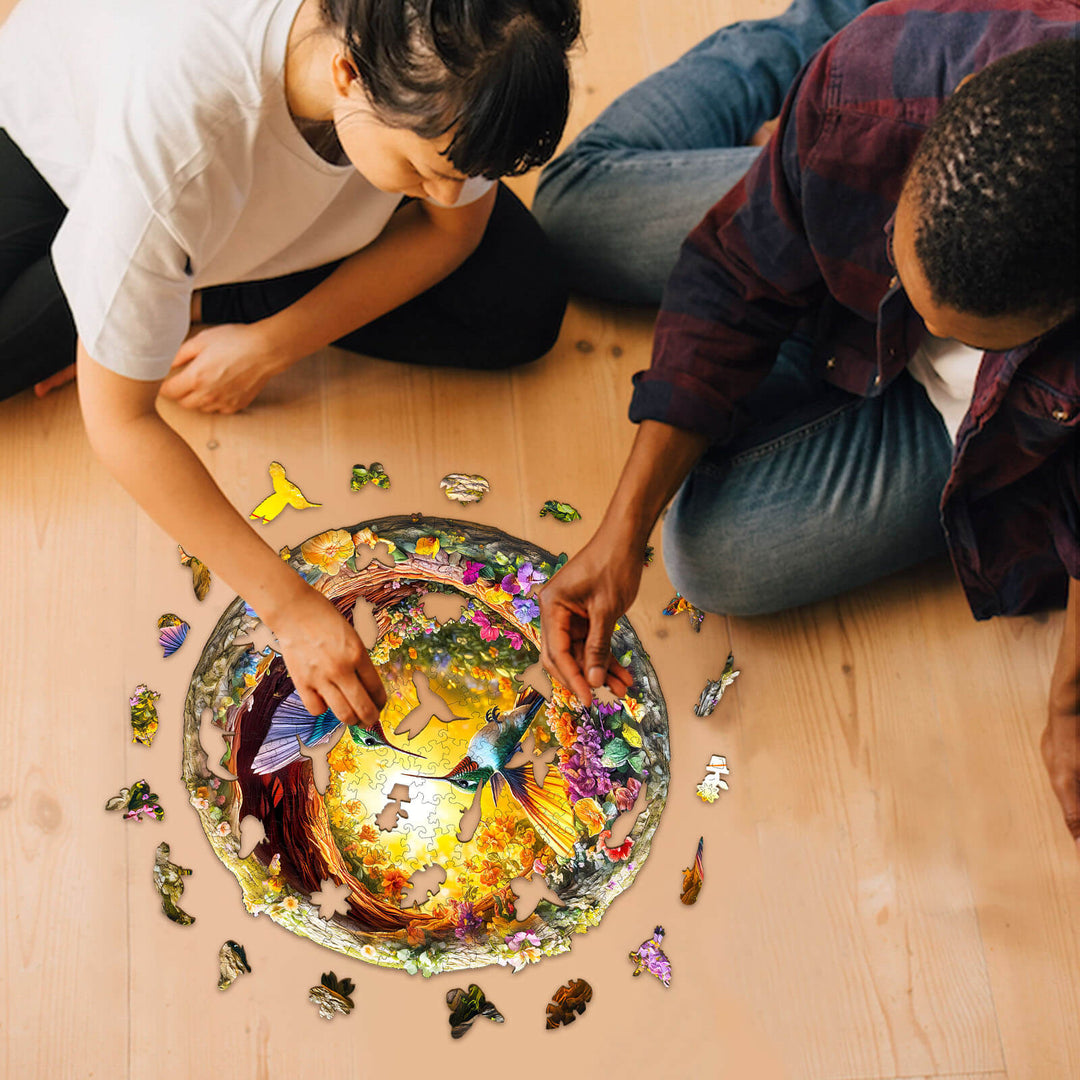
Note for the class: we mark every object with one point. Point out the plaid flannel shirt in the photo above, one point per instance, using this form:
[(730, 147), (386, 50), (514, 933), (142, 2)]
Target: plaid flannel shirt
[(803, 242)]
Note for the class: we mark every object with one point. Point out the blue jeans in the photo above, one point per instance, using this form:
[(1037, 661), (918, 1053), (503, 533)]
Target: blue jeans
[(619, 201), (823, 492)]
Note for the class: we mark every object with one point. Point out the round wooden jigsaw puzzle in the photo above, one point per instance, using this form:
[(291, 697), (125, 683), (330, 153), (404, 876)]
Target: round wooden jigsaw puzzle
[(477, 788)]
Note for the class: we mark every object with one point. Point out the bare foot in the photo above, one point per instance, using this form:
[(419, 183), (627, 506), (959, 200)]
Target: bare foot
[(763, 133), (65, 375)]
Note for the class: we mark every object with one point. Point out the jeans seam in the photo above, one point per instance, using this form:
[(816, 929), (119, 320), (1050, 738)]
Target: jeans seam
[(781, 442)]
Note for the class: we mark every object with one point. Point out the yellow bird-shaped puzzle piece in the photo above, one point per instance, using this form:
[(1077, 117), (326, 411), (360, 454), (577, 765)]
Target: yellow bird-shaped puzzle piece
[(285, 493)]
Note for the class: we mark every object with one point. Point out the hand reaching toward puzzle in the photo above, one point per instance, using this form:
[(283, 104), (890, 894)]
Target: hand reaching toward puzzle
[(329, 665), (222, 369)]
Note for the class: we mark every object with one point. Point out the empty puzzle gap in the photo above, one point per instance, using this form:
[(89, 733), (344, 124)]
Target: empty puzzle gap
[(536, 677), (317, 754), (331, 899), (443, 607), (259, 638), (470, 818), (387, 817), (363, 620), (423, 885), (252, 834), (430, 706), (527, 754), (215, 746), (529, 891)]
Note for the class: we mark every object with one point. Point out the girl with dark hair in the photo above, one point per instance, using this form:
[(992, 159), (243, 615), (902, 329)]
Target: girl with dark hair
[(300, 172)]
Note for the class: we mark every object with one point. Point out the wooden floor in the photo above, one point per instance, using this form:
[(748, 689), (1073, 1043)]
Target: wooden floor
[(890, 892)]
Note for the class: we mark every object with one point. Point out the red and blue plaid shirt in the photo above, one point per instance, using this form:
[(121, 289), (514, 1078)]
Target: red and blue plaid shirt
[(803, 241)]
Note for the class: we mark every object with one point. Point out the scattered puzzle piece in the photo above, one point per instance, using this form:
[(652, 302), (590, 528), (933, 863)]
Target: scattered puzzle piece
[(694, 876), (200, 573), (331, 899), (169, 882), (714, 688), (568, 1003), (423, 885), (374, 474), (174, 631), (648, 956), (332, 996), (561, 511), (709, 789), (137, 802), (464, 487), (285, 493), (679, 604), (232, 963), (144, 717), (466, 1006)]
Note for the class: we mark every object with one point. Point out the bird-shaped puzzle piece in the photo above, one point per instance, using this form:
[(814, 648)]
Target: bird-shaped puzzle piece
[(169, 882), (285, 493)]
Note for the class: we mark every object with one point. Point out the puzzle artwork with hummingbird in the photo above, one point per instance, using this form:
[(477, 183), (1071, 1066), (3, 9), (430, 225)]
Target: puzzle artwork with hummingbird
[(511, 783)]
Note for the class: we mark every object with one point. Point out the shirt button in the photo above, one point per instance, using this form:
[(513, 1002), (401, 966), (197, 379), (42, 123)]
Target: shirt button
[(1061, 415), (830, 363)]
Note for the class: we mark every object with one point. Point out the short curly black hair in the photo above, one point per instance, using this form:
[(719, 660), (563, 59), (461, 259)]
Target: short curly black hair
[(995, 187), (493, 71)]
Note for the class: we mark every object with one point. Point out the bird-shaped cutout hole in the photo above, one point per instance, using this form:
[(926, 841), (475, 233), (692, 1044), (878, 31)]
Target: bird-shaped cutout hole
[(363, 620), (530, 891), (331, 899), (387, 817), (380, 553), (443, 607), (541, 762), (317, 755), (252, 834), (536, 677), (429, 706), (423, 885), (259, 638), (215, 746)]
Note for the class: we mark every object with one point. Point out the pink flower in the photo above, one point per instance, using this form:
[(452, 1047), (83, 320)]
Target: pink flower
[(515, 639), (487, 631), (625, 797), (472, 572)]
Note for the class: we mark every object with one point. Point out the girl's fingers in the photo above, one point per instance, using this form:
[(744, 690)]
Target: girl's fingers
[(65, 375), (313, 700)]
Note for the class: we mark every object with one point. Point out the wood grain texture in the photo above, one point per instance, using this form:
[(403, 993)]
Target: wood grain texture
[(889, 892)]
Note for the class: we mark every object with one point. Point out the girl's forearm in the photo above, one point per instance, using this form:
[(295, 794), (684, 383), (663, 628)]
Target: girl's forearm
[(161, 472), (419, 247)]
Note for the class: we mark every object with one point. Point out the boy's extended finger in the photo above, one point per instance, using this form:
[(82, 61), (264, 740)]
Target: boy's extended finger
[(373, 684), (598, 644), (556, 656)]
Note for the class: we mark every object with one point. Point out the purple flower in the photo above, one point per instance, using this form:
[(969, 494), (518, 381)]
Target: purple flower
[(515, 941), (472, 572), (525, 609), (585, 776), (466, 921), (510, 584), (604, 709), (527, 577)]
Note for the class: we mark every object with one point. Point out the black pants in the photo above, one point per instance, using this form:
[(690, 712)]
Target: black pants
[(502, 307)]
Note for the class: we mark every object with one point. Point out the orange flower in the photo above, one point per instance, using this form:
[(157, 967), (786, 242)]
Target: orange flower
[(369, 833), (415, 935), (590, 815), (329, 550), (427, 546), (202, 793), (394, 881), (412, 653), (565, 727), (490, 875)]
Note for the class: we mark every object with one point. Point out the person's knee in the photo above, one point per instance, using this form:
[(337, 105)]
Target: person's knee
[(717, 568)]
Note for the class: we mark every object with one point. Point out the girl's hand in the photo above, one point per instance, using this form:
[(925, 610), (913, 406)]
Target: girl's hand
[(329, 665), (222, 369)]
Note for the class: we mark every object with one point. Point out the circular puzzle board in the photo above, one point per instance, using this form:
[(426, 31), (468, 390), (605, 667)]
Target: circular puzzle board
[(484, 786)]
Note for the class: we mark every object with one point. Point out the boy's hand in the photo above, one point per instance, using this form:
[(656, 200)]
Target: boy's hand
[(222, 369), (329, 665), (579, 608)]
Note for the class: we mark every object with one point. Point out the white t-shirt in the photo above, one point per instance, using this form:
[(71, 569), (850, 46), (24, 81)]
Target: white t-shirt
[(163, 127), (947, 369)]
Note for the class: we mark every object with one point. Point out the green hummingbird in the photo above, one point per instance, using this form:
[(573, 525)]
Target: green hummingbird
[(486, 762)]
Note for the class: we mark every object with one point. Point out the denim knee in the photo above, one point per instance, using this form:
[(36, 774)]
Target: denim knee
[(717, 565)]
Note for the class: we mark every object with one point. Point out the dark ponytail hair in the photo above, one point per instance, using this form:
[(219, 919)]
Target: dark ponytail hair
[(493, 71)]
